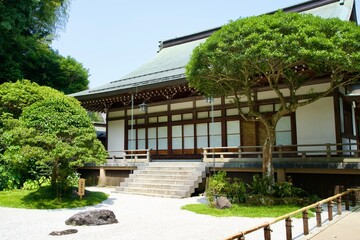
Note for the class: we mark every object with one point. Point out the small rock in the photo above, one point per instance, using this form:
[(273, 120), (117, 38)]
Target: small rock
[(64, 232), (92, 217), (223, 202)]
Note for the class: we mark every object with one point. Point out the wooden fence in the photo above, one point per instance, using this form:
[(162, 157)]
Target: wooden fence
[(125, 157), (349, 194), (224, 154)]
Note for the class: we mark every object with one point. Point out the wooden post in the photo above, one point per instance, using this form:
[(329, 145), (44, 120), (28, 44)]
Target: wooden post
[(102, 177), (205, 155), (305, 218), (281, 175), (353, 198), (318, 215), (288, 228), (339, 207), (330, 210), (240, 155), (328, 151), (81, 190), (267, 233), (347, 205), (281, 151)]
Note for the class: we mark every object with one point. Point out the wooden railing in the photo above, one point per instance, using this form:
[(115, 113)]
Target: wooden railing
[(302, 150), (350, 193), (128, 156)]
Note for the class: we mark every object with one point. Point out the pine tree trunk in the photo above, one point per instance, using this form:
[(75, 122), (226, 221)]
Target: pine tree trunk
[(267, 165)]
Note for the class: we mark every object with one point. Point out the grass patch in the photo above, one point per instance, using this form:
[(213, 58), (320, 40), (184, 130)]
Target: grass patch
[(244, 211), (44, 198)]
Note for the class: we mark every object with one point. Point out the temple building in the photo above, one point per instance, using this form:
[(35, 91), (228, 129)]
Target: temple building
[(152, 115)]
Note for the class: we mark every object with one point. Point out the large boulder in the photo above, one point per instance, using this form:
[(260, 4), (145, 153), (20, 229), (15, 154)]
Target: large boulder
[(92, 217), (222, 203)]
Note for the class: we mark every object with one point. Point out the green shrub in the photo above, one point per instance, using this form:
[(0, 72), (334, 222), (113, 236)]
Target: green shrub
[(219, 185), (262, 191), (216, 187), (36, 184), (236, 191), (287, 189), (262, 186), (73, 179)]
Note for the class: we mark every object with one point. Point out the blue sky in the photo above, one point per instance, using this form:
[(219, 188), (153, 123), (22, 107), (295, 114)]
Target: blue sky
[(113, 37)]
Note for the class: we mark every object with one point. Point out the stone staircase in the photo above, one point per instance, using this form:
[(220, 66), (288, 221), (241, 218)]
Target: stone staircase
[(165, 179)]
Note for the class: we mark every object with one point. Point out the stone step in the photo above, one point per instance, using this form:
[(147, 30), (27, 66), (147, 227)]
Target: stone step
[(166, 177), (172, 168), (166, 172), (153, 195), (193, 164), (165, 181), (170, 179), (172, 192), (158, 186)]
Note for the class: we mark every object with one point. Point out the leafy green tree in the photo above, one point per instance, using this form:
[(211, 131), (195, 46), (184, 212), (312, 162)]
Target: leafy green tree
[(27, 28), (14, 97), (51, 136), (23, 23), (281, 52), (48, 68)]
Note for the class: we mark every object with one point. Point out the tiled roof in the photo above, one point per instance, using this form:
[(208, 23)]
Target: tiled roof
[(169, 64)]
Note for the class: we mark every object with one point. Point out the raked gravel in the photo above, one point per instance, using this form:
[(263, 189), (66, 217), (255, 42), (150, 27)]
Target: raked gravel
[(139, 217)]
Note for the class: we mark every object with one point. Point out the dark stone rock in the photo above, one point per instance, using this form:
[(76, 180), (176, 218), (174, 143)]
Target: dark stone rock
[(92, 217), (222, 202), (64, 232)]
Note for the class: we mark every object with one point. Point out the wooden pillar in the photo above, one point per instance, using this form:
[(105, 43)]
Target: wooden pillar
[(353, 198), (318, 216), (288, 228), (281, 175), (267, 233), (305, 218), (347, 205), (330, 210), (102, 177), (339, 207)]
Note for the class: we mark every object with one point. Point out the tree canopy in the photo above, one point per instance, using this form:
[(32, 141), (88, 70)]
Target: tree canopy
[(282, 51), (27, 28), (43, 133)]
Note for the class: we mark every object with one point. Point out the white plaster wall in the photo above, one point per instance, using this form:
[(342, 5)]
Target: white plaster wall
[(115, 135), (315, 123)]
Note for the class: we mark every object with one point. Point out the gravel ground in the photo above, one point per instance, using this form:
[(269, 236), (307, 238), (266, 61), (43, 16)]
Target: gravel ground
[(140, 217)]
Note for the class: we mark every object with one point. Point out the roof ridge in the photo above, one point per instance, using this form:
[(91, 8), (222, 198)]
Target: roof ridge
[(147, 74), (299, 7), (155, 80)]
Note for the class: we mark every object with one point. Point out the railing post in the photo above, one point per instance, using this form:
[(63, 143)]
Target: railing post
[(280, 151), (318, 215), (288, 228), (330, 210), (347, 204), (267, 233), (339, 207), (305, 222), (240, 153), (328, 151), (353, 198), (205, 154)]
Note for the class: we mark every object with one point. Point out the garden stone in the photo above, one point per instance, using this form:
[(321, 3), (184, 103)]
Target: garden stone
[(92, 217), (64, 232), (222, 203)]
